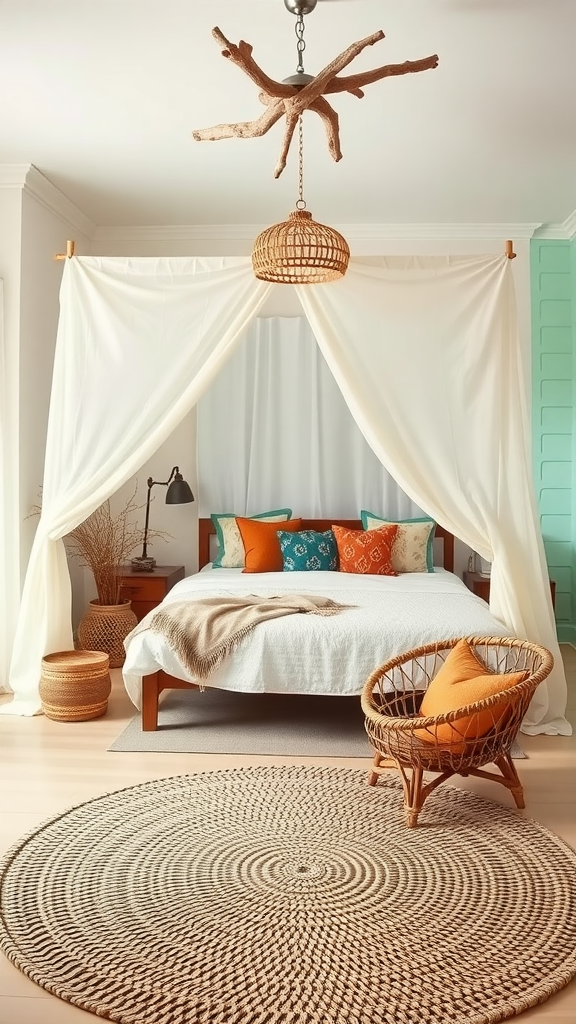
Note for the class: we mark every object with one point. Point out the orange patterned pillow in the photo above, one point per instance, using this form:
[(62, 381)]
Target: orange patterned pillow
[(261, 544), (366, 551)]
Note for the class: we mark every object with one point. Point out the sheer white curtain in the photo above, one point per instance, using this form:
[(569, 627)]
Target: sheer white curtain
[(138, 341), (274, 431), (426, 353)]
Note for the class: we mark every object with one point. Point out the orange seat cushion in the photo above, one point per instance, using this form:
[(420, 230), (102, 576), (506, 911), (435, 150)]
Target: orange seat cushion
[(464, 679), (261, 544), (366, 551)]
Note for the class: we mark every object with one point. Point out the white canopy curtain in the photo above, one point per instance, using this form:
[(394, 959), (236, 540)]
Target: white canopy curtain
[(425, 352), (138, 341), (274, 430)]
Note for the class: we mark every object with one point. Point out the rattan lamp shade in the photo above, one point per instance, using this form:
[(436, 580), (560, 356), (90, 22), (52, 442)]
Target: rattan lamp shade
[(300, 251)]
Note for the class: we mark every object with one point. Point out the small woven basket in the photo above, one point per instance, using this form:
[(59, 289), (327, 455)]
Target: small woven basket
[(75, 685)]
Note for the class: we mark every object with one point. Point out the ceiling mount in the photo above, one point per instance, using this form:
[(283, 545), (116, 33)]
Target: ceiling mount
[(300, 7)]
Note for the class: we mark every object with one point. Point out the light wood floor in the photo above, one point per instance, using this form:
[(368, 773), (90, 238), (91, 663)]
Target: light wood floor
[(48, 766)]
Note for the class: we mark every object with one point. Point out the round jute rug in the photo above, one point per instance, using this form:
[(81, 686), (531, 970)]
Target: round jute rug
[(293, 895)]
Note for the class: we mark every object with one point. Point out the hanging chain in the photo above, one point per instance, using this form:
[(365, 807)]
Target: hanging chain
[(300, 44), (301, 204), (300, 47)]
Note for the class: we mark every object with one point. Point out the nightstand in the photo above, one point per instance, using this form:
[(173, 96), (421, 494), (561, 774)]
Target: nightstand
[(480, 585), (146, 589)]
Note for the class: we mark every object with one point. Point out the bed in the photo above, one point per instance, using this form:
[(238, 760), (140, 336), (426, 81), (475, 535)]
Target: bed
[(308, 653)]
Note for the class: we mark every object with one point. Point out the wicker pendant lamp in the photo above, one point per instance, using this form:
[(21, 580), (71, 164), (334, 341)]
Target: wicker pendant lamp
[(300, 250)]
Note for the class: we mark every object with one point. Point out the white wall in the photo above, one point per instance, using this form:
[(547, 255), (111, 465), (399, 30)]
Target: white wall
[(179, 522), (10, 585)]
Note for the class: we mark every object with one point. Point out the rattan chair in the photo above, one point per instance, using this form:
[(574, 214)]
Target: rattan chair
[(391, 700)]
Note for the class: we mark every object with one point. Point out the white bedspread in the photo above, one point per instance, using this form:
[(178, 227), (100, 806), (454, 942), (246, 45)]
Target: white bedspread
[(316, 654)]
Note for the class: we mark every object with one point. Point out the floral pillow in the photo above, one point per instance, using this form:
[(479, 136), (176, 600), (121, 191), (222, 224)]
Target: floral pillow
[(366, 551), (412, 549), (308, 551), (230, 553)]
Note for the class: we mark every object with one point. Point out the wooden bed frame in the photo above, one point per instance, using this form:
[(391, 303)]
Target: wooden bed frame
[(153, 685)]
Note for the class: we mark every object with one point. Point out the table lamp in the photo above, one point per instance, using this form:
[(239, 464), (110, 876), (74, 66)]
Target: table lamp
[(178, 493)]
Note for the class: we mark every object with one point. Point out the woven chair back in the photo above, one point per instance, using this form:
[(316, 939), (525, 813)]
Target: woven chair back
[(392, 696)]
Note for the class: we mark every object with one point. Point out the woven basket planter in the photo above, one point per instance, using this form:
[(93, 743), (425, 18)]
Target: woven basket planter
[(75, 685), (104, 627)]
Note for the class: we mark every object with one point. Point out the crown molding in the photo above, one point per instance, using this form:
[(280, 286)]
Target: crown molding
[(570, 224), (29, 179), (552, 231), (567, 229), (353, 232), (13, 175), (56, 202)]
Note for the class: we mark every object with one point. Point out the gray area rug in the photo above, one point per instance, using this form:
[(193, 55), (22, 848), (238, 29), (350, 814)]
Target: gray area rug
[(224, 722)]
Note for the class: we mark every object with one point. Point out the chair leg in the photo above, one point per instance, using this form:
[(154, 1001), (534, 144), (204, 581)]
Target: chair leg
[(413, 798), (412, 780), (511, 780), (373, 777)]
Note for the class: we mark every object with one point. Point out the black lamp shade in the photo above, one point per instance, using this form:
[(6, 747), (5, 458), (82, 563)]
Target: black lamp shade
[(178, 492)]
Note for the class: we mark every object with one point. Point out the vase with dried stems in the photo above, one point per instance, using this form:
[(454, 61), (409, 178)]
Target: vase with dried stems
[(103, 543)]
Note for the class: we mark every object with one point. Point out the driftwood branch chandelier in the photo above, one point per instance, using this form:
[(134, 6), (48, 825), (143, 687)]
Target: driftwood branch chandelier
[(300, 250), (300, 92)]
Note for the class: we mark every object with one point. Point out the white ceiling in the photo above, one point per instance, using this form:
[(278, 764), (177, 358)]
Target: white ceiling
[(102, 96)]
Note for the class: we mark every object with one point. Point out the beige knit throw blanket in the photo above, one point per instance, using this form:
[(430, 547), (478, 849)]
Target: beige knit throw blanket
[(202, 632)]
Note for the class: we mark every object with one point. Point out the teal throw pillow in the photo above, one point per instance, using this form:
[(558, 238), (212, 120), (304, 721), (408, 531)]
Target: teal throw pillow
[(308, 551)]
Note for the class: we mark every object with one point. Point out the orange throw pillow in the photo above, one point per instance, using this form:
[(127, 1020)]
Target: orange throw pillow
[(366, 551), (464, 679), (261, 544)]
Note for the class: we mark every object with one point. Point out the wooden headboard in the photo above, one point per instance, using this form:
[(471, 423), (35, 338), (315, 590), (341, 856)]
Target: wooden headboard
[(206, 530)]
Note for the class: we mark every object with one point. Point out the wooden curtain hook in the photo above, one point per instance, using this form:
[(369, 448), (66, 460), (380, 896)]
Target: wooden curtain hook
[(69, 251)]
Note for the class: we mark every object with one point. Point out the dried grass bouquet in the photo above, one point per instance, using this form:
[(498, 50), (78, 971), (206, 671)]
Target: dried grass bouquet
[(104, 541)]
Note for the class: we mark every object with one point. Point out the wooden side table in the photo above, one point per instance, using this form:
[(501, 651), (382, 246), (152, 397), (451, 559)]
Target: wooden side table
[(480, 585), (147, 589)]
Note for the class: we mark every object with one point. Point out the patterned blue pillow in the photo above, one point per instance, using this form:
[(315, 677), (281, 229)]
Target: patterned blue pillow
[(308, 551)]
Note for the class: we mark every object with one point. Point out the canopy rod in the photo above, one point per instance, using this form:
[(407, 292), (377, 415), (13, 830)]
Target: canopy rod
[(70, 245)]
